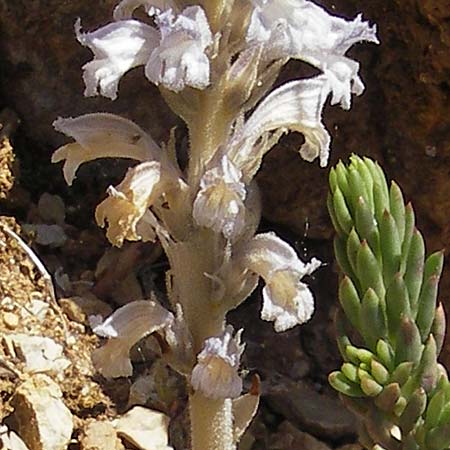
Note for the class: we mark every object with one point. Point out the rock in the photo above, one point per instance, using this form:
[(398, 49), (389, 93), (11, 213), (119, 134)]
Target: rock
[(51, 208), (39, 354), (288, 437), (100, 436), (43, 420), (10, 440), (38, 308), (78, 309), (141, 389), (48, 235), (144, 428), (11, 320), (311, 411)]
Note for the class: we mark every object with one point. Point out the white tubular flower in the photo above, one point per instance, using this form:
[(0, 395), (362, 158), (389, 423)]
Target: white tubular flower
[(101, 135), (296, 106), (180, 59), (220, 201), (127, 203), (216, 373), (286, 300), (124, 328), (302, 30), (117, 48)]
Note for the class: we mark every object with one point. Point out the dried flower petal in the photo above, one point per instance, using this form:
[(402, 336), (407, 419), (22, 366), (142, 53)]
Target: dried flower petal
[(286, 300), (101, 135), (124, 328), (220, 201), (117, 48), (302, 30), (297, 106), (216, 372), (127, 203), (180, 59)]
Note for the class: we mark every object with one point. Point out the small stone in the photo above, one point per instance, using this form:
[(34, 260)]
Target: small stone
[(100, 436), (288, 437), (78, 309), (141, 389), (144, 428), (7, 304), (10, 440), (47, 235), (52, 208), (43, 420), (37, 308), (10, 320), (39, 353), (320, 414)]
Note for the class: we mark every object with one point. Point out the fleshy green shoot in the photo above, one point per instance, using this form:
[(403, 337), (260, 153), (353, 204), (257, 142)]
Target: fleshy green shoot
[(390, 328)]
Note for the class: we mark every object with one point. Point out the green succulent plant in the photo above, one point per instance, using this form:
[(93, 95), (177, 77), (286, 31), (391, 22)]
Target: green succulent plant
[(390, 328)]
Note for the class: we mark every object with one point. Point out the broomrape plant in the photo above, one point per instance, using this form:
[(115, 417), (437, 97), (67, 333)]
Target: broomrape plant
[(215, 63)]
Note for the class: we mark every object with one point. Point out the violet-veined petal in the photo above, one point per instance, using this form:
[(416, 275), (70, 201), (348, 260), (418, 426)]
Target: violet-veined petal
[(300, 29), (296, 106), (219, 204), (180, 58), (216, 372), (101, 135), (117, 48), (124, 328), (286, 300)]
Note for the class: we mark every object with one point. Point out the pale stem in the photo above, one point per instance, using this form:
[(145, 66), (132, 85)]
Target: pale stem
[(210, 130), (211, 420), (200, 255), (214, 10), (211, 423)]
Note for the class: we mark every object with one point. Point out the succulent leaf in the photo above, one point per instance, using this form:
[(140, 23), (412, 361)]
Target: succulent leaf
[(413, 411), (427, 306), (414, 268), (368, 270), (397, 304), (390, 246), (397, 208), (343, 385), (350, 302)]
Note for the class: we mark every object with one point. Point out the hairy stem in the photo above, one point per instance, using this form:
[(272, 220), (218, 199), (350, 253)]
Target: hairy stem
[(211, 423)]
